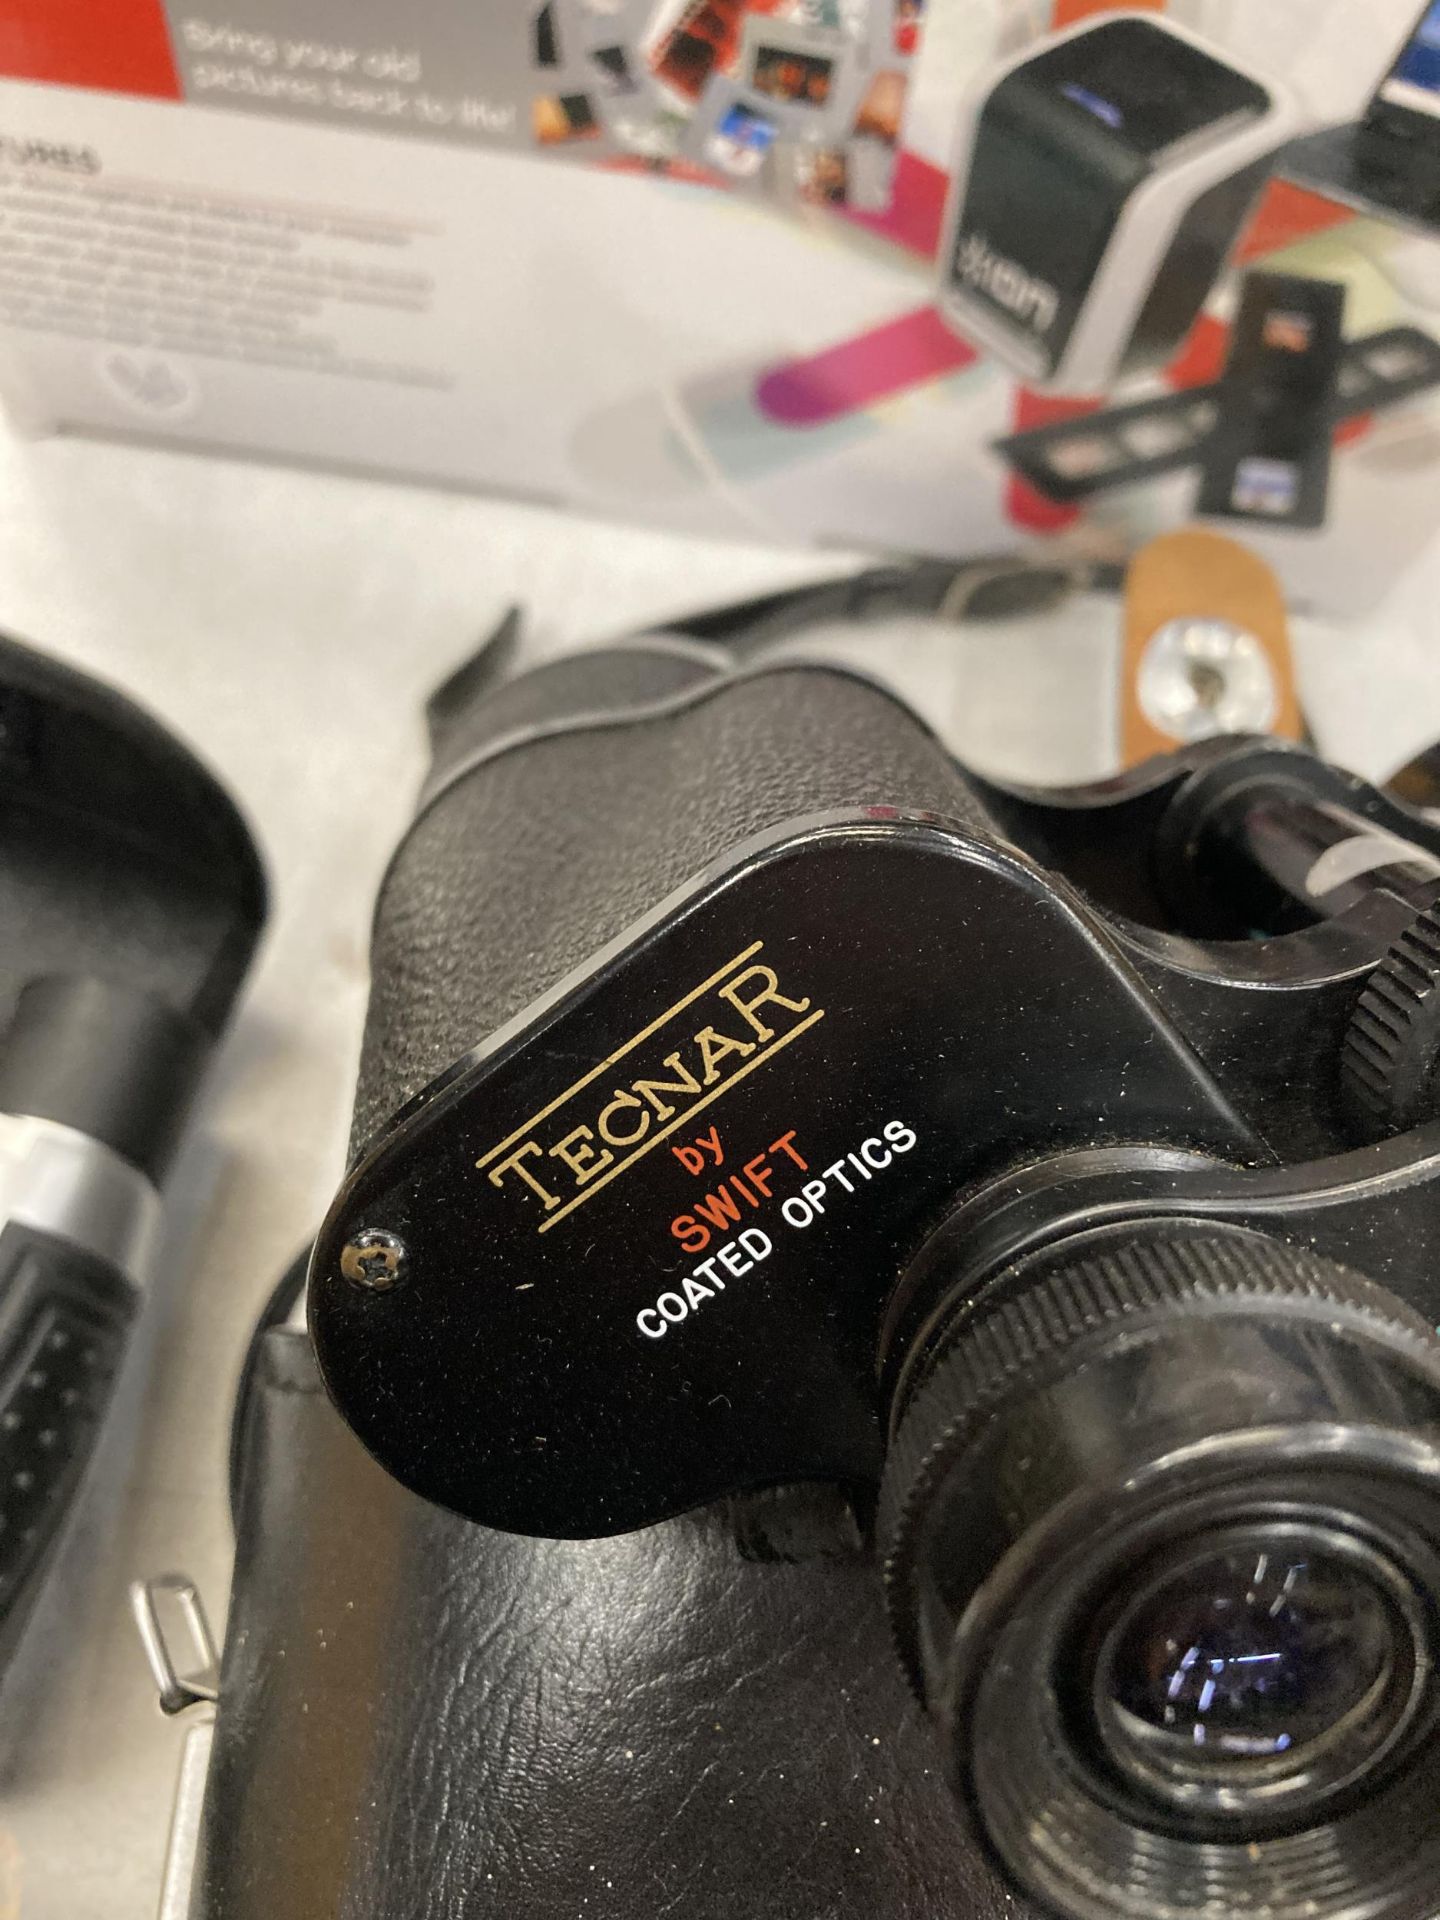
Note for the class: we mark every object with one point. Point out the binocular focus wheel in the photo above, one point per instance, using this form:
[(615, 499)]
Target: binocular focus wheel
[(1392, 1049)]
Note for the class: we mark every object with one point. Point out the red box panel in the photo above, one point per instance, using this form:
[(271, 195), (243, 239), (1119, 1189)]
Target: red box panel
[(117, 46)]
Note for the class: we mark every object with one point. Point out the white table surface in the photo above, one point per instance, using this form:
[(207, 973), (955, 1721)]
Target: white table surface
[(288, 626)]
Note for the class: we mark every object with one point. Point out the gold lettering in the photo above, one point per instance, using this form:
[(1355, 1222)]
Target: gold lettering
[(514, 1165), (770, 991), (635, 1118), (607, 1129), (653, 1090), (714, 1047), (582, 1161)]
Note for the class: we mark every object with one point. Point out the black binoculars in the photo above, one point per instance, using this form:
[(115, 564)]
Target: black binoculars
[(807, 1197)]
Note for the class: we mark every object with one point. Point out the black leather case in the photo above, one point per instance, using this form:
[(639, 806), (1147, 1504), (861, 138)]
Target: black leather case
[(423, 1720), (121, 858)]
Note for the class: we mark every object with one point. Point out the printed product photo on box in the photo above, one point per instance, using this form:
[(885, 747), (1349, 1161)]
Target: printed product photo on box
[(1097, 192), (1386, 161), (925, 275)]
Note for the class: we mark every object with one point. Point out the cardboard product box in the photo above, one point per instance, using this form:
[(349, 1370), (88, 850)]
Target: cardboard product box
[(801, 269)]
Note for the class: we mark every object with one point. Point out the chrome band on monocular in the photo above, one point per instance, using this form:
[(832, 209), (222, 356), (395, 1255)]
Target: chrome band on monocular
[(58, 1181)]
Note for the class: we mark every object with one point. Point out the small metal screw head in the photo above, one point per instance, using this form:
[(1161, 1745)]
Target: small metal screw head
[(374, 1259), (1199, 677)]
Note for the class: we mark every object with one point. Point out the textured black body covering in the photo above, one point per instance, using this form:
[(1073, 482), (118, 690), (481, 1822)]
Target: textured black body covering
[(558, 840)]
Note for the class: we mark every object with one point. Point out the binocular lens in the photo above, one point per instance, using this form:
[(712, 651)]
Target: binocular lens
[(1263, 1670)]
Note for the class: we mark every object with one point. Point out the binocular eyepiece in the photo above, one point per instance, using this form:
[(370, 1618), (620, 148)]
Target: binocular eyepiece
[(1160, 1530)]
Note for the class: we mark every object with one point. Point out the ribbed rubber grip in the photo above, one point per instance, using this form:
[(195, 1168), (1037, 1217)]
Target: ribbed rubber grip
[(64, 1319)]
